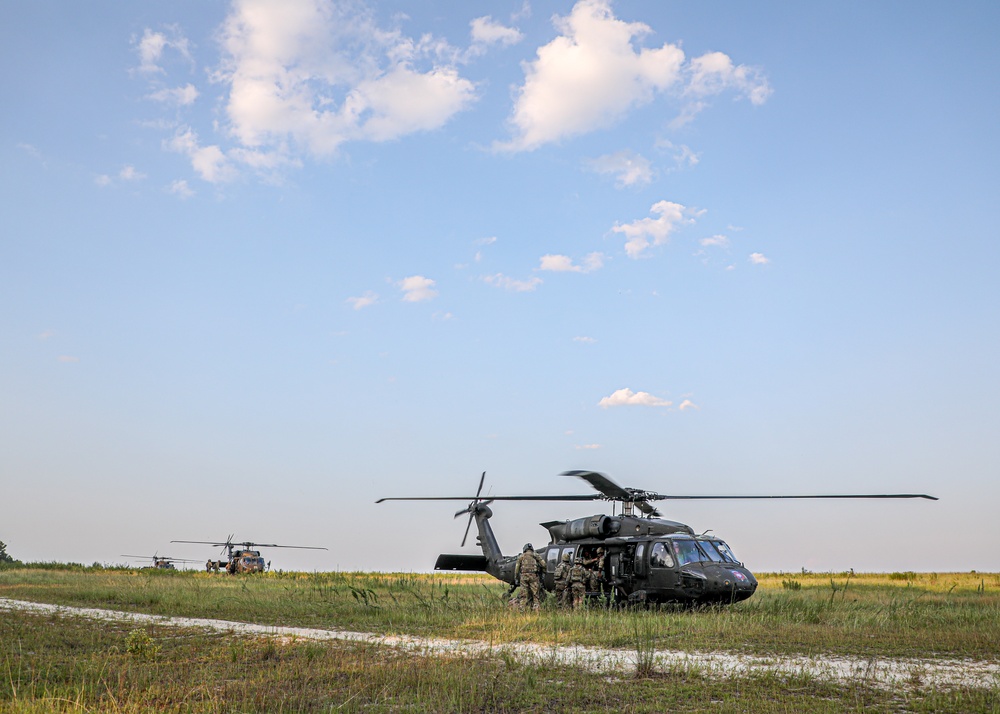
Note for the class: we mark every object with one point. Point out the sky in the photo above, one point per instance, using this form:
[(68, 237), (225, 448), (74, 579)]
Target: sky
[(263, 263)]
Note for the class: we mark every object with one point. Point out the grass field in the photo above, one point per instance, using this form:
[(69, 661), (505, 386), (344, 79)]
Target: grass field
[(80, 665)]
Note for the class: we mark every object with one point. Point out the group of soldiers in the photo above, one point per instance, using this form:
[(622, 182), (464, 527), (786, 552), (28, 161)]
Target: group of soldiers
[(573, 578)]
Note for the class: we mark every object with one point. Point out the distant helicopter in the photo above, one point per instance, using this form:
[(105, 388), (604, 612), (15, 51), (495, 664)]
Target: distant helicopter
[(647, 559), (160, 562), (241, 557)]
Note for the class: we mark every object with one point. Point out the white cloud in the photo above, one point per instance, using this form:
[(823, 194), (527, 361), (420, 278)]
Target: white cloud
[(645, 232), (714, 72), (129, 173), (45, 334), (68, 359), (628, 168), (592, 75), (588, 77), (317, 74), (486, 241), (683, 155), (417, 288), (565, 264), (181, 96), (508, 283), (719, 241), (102, 180), (209, 161), (369, 298), (486, 31), (152, 44), (759, 259), (687, 404), (587, 447), (585, 340), (180, 188), (627, 398)]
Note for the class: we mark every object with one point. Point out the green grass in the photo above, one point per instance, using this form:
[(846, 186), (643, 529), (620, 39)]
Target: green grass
[(69, 664), (912, 615)]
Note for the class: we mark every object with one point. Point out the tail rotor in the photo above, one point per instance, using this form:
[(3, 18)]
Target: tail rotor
[(474, 508)]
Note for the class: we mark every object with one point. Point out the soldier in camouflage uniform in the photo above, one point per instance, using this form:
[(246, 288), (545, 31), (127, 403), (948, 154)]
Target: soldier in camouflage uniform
[(528, 573), (578, 579), (562, 580), (595, 571)]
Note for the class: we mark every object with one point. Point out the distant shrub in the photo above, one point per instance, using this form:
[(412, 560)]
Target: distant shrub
[(908, 575), (791, 584)]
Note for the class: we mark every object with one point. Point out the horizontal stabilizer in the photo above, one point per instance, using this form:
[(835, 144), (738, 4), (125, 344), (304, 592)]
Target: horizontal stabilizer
[(461, 562)]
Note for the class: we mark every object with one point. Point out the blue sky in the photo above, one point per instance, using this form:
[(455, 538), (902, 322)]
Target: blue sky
[(262, 264)]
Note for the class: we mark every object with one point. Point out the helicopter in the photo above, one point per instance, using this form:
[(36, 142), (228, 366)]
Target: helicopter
[(242, 557), (646, 559), (160, 562)]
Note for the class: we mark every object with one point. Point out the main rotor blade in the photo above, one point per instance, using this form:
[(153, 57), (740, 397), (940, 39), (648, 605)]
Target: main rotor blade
[(275, 545), (665, 497), (585, 497), (479, 490), (602, 483), (248, 544), (646, 508)]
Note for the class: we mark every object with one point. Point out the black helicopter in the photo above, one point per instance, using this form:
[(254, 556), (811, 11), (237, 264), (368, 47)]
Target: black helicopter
[(647, 558), (242, 557), (160, 562)]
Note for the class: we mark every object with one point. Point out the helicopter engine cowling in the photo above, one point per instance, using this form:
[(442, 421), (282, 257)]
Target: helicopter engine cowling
[(590, 527)]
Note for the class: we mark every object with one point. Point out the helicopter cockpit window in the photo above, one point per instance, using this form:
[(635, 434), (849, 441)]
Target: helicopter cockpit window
[(551, 559), (660, 557), (686, 552), (727, 554), (709, 548)]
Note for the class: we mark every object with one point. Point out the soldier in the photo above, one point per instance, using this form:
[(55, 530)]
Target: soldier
[(578, 577), (528, 572), (562, 580), (595, 568)]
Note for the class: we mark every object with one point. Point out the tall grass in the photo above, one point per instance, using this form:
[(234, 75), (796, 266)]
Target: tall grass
[(68, 664), (920, 615)]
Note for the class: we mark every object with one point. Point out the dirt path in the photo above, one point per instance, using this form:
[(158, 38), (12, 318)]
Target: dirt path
[(877, 672)]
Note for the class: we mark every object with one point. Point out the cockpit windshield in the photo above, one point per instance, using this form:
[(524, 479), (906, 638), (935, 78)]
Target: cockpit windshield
[(686, 551), (692, 551), (724, 551)]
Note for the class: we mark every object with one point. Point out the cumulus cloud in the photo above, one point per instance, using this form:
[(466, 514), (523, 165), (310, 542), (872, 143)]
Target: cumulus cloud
[(102, 180), (508, 283), (759, 259), (180, 189), (565, 264), (588, 77), (486, 31), (317, 74), (417, 288), (593, 74), (129, 173), (687, 404), (628, 168), (587, 447), (585, 340), (645, 232), (208, 161), (150, 48), (369, 298), (627, 398), (719, 241), (180, 96)]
